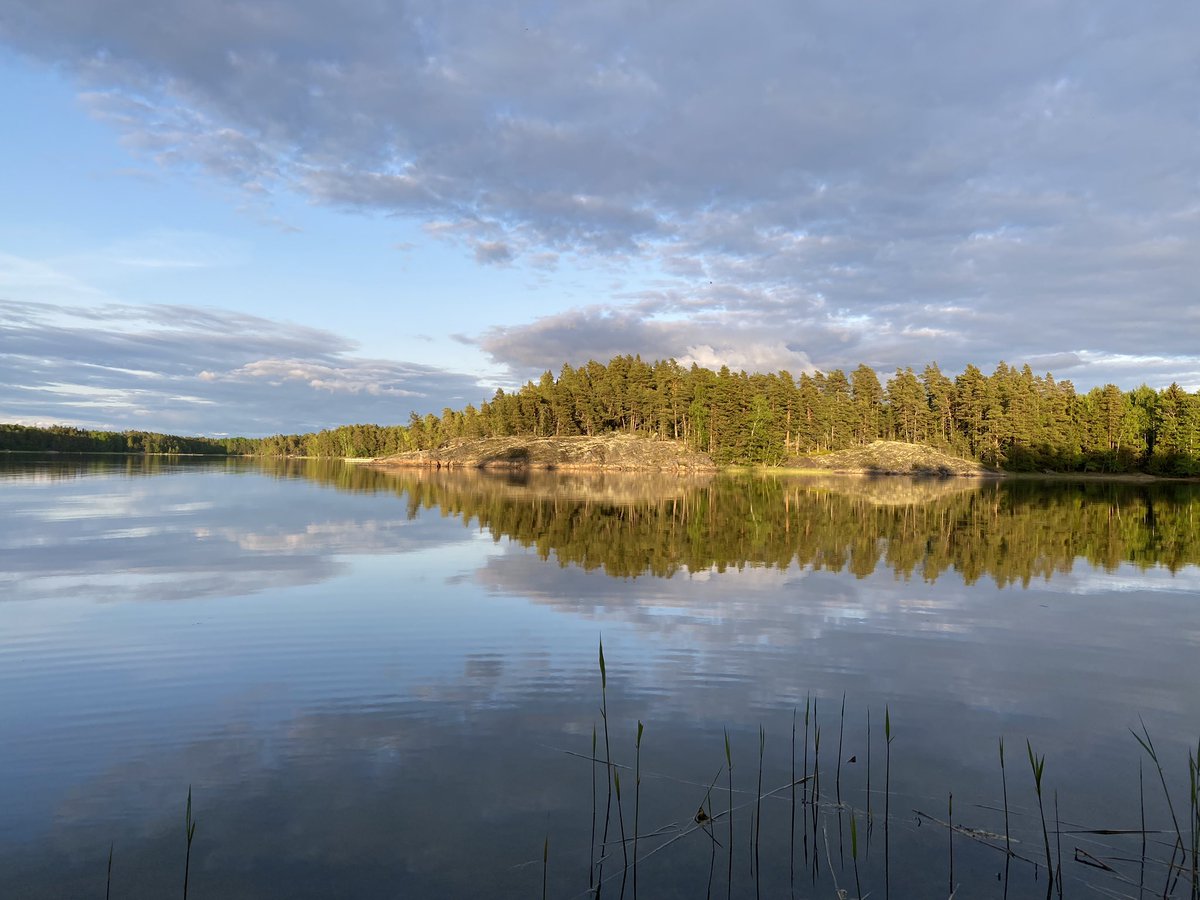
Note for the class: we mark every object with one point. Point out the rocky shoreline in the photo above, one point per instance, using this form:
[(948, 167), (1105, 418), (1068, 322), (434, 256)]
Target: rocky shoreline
[(609, 452)]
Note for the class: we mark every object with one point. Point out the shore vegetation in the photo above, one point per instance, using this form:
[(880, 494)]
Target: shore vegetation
[(1011, 419)]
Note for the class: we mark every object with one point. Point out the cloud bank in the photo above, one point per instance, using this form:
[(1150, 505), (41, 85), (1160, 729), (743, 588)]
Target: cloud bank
[(818, 184), (182, 369)]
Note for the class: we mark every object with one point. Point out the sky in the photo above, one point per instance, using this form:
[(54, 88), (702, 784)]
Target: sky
[(261, 216)]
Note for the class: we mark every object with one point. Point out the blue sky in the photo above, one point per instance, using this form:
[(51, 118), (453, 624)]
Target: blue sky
[(258, 217)]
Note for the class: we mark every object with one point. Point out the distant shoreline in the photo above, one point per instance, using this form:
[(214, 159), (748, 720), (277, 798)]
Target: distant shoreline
[(610, 452), (431, 460), (1128, 477), (624, 453)]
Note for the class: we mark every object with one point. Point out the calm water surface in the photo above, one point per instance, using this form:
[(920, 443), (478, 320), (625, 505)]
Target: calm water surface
[(385, 685)]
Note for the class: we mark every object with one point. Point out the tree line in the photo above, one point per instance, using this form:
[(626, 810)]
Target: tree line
[(1011, 419), (65, 439)]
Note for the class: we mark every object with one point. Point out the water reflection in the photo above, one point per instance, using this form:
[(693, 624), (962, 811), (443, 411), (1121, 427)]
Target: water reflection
[(246, 536), (99, 527), (367, 675), (1011, 532)]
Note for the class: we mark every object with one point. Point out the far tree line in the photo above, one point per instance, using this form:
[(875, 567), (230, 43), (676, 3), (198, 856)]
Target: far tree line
[(1012, 418), (65, 439)]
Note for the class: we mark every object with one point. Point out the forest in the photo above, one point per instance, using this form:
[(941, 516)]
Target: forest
[(1011, 419), (65, 439)]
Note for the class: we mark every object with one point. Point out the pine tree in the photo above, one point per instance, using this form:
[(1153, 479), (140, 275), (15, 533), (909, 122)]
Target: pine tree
[(839, 410), (867, 396), (939, 395), (970, 399), (908, 406)]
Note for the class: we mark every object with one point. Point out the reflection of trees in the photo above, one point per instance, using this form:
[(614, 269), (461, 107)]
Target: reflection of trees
[(1009, 531), (53, 467), (630, 525)]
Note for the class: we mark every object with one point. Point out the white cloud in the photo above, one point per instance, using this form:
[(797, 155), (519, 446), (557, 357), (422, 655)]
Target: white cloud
[(365, 377), (187, 369), (885, 184), (748, 357)]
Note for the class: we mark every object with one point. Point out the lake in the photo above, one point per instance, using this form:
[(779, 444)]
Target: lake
[(382, 684)]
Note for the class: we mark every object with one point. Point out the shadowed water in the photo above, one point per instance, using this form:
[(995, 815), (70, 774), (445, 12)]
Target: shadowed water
[(374, 682)]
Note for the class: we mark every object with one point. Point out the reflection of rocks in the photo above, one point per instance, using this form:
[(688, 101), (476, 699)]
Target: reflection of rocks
[(616, 488), (880, 490)]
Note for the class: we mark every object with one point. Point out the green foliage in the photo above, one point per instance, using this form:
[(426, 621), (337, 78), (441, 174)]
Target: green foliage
[(1011, 418), (64, 439)]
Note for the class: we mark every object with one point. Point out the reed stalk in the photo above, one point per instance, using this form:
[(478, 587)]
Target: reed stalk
[(545, 865), (190, 831), (108, 880), (1038, 765), (1004, 786), (729, 768), (854, 853), (837, 785), (792, 829), (762, 743), (1142, 804), (808, 701), (868, 776), (608, 769), (950, 831), (592, 849), (816, 804), (887, 802), (637, 800), (1148, 746), (1194, 777), (837, 779), (621, 820), (1058, 845), (705, 813), (621, 815), (712, 858)]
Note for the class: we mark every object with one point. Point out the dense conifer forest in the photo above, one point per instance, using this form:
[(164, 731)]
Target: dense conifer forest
[(1011, 419), (64, 439)]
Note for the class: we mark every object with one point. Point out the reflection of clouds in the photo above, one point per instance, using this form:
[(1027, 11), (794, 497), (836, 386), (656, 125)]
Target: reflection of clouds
[(1128, 578), (411, 708), (135, 538), (372, 536), (431, 794), (110, 505), (419, 790), (774, 633), (392, 734)]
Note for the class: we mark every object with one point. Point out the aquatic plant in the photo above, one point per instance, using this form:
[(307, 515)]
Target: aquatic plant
[(637, 800), (190, 831), (1038, 765)]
